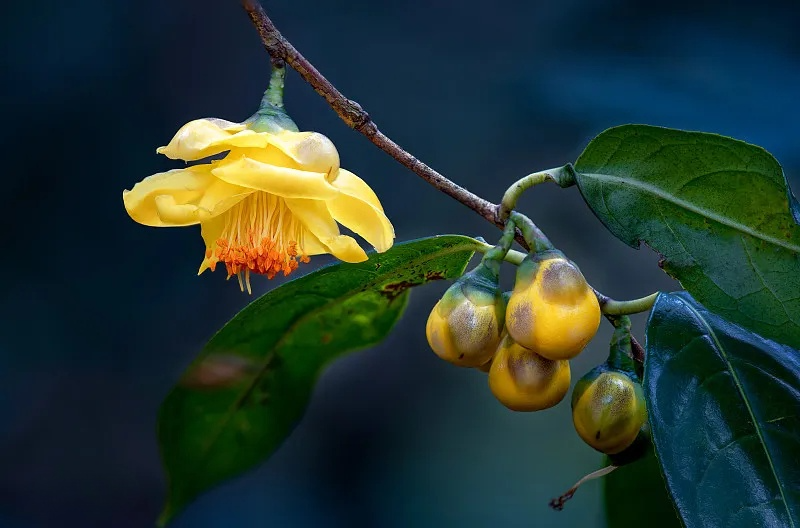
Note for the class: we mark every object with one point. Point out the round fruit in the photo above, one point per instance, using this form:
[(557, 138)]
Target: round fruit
[(608, 410), (522, 380), (464, 327), (552, 310)]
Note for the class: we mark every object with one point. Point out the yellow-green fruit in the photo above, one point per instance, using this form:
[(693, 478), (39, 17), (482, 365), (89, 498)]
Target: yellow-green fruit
[(552, 309), (465, 325), (608, 410), (522, 380)]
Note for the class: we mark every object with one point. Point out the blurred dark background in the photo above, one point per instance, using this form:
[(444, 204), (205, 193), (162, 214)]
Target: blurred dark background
[(100, 315)]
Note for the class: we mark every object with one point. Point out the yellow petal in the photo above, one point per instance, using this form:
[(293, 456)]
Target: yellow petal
[(357, 208), (221, 196), (224, 124), (344, 248), (310, 150), (274, 179), (184, 185), (181, 197), (314, 215), (205, 137), (352, 185), (211, 231)]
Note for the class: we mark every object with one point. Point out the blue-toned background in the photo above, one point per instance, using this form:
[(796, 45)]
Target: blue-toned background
[(99, 315)]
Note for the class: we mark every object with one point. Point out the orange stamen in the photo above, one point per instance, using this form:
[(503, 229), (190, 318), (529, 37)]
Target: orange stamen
[(260, 236)]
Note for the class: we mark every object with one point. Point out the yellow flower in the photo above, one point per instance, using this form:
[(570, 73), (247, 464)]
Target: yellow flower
[(274, 199)]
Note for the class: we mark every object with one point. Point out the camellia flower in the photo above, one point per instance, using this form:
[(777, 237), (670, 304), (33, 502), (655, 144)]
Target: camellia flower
[(272, 201)]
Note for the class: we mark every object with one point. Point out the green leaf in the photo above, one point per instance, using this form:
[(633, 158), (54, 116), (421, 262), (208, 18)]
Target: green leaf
[(250, 385), (718, 210), (636, 492), (723, 405)]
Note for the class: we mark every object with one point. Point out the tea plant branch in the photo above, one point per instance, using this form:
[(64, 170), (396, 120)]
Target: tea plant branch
[(281, 52)]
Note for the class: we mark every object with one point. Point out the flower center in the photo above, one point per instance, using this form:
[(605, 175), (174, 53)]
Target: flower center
[(260, 236)]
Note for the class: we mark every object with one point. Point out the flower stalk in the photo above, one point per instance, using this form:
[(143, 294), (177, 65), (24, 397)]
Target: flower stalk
[(534, 237), (273, 96), (493, 257)]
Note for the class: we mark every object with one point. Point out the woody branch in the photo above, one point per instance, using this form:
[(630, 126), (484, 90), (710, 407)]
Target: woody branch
[(282, 51)]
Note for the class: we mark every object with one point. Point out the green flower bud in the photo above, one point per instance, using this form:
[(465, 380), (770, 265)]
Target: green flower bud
[(522, 380), (464, 327), (552, 310), (608, 409)]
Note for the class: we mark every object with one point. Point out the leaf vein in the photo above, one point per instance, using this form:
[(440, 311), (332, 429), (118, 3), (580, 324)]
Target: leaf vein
[(761, 278), (270, 355), (665, 196), (738, 384)]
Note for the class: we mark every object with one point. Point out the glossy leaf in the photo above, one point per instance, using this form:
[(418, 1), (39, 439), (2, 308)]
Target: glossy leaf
[(636, 492), (724, 409), (718, 210), (250, 385)]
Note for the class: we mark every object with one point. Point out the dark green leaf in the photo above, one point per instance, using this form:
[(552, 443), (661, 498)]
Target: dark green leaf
[(718, 210), (635, 495), (250, 385), (723, 405)]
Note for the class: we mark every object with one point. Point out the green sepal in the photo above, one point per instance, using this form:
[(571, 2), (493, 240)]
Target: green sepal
[(526, 273), (481, 287), (506, 297), (483, 276), (271, 119), (271, 116)]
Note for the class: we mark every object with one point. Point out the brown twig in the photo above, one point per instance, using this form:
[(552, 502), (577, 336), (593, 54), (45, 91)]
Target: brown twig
[(281, 51), (356, 117)]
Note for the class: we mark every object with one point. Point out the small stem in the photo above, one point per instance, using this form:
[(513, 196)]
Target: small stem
[(271, 116), (493, 257), (512, 257), (612, 307), (534, 236), (512, 194), (620, 353), (273, 96)]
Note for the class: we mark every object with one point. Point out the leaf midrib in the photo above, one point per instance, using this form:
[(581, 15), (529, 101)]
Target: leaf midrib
[(660, 193), (271, 353), (746, 401)]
